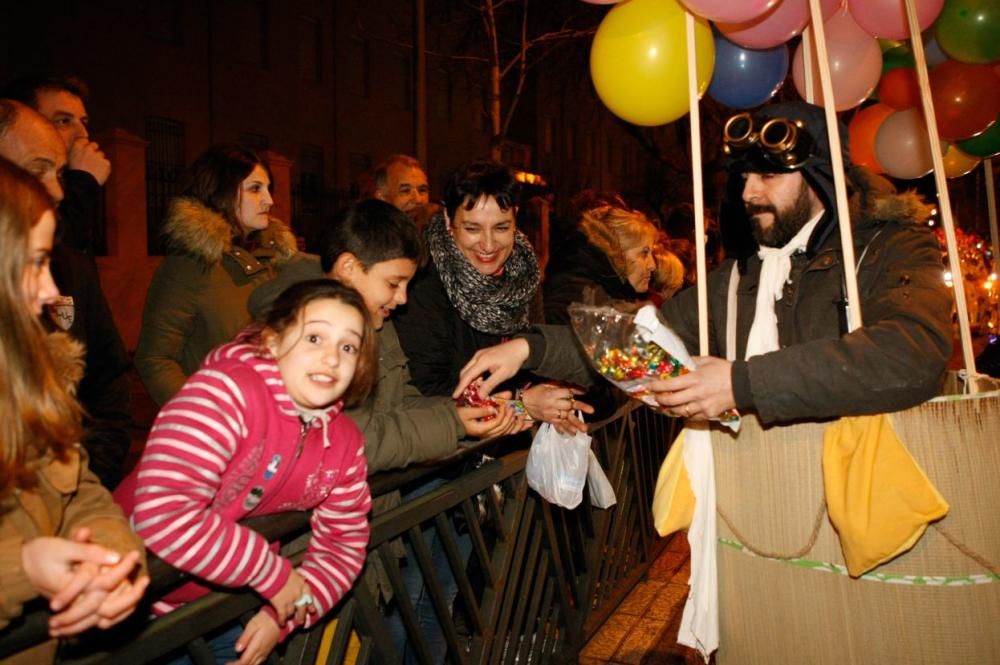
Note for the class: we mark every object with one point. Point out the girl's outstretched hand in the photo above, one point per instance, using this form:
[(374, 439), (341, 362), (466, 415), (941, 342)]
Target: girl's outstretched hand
[(294, 600), (258, 640)]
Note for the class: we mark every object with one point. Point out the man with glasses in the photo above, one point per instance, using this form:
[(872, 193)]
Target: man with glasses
[(777, 305)]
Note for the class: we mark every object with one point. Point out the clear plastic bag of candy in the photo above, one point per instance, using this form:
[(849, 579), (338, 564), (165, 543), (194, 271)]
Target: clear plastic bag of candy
[(633, 350)]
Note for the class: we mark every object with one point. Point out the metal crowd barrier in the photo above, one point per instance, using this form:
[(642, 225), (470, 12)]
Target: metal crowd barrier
[(539, 582)]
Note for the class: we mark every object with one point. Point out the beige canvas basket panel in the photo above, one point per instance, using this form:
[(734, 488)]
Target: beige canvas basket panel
[(938, 603)]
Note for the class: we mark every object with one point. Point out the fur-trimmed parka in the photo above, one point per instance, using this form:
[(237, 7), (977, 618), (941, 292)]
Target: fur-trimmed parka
[(198, 296)]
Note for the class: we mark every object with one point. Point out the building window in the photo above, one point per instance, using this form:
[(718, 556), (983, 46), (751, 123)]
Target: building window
[(360, 166), (478, 105), (257, 142), (443, 98), (164, 168), (246, 30), (310, 46), (404, 65), (308, 198), (359, 68), (163, 21)]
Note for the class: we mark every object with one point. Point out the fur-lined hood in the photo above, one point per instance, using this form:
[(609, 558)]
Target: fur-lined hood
[(882, 203), (67, 359), (193, 228)]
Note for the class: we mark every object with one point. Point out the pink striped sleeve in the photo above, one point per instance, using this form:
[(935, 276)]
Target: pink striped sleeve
[(340, 532), (193, 440)]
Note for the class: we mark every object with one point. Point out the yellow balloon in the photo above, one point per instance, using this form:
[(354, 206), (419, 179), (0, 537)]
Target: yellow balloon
[(638, 61), (957, 163)]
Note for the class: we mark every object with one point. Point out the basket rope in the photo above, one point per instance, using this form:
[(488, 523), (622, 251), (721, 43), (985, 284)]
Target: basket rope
[(814, 535), (966, 550), (797, 554)]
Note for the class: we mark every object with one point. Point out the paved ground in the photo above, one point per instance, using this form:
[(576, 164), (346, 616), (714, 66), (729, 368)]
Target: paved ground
[(643, 631)]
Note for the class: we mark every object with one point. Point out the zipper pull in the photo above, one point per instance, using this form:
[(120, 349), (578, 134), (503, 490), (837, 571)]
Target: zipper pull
[(303, 432)]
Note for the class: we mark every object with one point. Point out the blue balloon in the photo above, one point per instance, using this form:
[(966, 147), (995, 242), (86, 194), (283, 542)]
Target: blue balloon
[(744, 77)]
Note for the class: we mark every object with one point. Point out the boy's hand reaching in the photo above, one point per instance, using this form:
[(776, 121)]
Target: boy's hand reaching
[(503, 420)]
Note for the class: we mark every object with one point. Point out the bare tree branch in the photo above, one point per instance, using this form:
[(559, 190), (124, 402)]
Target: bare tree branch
[(522, 74)]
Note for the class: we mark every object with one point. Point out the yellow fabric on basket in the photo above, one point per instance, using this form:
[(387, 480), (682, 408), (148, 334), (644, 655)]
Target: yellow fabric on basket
[(879, 499), (673, 500)]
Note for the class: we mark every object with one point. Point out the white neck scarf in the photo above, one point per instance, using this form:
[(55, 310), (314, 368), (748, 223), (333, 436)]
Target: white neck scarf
[(774, 271)]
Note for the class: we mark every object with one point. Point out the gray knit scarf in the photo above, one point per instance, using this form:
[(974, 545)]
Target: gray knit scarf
[(493, 305)]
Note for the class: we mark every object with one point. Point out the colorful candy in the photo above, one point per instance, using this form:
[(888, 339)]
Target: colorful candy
[(622, 356)]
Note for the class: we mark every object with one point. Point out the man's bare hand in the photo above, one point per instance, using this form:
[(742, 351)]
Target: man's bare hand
[(701, 394), (85, 155)]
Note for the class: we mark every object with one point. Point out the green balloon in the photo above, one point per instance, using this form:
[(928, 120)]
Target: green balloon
[(899, 56), (969, 30), (986, 144)]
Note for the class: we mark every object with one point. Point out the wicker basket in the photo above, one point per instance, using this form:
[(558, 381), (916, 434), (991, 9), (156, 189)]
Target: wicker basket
[(785, 596)]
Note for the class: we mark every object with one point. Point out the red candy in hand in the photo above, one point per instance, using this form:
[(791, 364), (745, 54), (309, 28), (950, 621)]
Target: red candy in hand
[(471, 397)]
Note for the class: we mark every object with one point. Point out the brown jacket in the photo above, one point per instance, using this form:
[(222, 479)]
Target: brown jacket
[(67, 496)]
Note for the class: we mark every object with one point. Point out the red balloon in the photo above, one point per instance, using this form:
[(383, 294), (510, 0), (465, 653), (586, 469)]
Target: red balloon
[(965, 98), (862, 130), (899, 89)]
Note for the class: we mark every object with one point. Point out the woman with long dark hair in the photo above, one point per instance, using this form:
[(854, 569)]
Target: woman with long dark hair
[(221, 244)]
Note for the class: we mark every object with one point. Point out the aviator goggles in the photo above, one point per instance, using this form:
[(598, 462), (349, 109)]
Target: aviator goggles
[(782, 142)]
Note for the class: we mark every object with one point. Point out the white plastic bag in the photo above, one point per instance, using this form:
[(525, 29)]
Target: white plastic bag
[(557, 465), (602, 494)]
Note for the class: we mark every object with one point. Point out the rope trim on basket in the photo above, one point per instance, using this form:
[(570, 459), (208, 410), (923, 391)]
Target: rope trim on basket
[(797, 554), (890, 578), (961, 547)]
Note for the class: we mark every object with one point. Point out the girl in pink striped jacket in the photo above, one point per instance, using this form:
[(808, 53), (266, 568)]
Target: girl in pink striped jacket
[(258, 430)]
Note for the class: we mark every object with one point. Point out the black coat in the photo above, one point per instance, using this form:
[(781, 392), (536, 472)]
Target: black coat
[(437, 341), (79, 211), (104, 391), (580, 272)]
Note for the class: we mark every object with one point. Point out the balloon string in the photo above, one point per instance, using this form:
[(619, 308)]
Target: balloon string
[(807, 65), (991, 207), (944, 200), (696, 177), (837, 161)]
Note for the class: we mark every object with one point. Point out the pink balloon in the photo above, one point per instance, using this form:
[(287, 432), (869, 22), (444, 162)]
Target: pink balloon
[(727, 10), (855, 63), (777, 25), (887, 18), (902, 146)]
